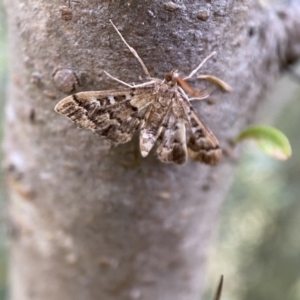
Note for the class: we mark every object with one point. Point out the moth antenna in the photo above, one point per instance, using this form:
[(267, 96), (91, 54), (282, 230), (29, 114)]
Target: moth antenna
[(200, 65), (127, 84), (132, 51)]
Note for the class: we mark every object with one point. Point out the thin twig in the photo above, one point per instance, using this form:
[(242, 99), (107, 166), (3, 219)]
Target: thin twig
[(219, 289)]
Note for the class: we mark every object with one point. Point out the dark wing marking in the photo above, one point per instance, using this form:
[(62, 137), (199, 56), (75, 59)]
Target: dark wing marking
[(115, 114), (172, 147), (172, 142), (152, 126), (202, 145)]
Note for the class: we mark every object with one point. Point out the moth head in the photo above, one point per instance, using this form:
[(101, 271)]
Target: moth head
[(171, 77)]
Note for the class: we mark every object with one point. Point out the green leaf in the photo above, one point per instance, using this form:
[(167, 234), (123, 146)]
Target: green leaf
[(271, 141)]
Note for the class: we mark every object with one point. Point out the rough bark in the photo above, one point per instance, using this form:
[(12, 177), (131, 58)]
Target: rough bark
[(94, 222)]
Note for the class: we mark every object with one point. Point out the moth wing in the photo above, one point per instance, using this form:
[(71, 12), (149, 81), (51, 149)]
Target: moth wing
[(152, 125), (202, 144), (115, 114), (172, 142)]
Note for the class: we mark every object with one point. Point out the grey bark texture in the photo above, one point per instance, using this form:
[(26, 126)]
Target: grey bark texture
[(91, 221)]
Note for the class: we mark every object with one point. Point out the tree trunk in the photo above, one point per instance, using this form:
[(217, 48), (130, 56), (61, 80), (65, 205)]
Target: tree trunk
[(91, 221)]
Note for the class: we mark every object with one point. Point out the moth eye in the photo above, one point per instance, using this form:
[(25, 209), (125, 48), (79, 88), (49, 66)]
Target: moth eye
[(168, 77)]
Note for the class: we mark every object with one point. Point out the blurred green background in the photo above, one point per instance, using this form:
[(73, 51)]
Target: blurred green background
[(258, 245)]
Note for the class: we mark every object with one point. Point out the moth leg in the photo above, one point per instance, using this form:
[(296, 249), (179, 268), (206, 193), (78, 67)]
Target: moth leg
[(183, 92), (200, 65), (132, 51), (118, 80), (145, 83), (215, 80), (129, 85), (200, 96), (205, 96)]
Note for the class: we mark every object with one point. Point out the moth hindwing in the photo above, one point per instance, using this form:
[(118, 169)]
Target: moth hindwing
[(160, 109)]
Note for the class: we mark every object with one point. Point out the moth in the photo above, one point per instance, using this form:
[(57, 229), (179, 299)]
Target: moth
[(159, 109)]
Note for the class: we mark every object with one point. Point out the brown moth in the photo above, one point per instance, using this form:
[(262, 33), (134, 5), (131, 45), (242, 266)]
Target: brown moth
[(160, 109)]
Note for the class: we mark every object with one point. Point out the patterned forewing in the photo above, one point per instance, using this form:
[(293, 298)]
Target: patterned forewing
[(152, 126), (172, 142), (115, 114), (202, 144)]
